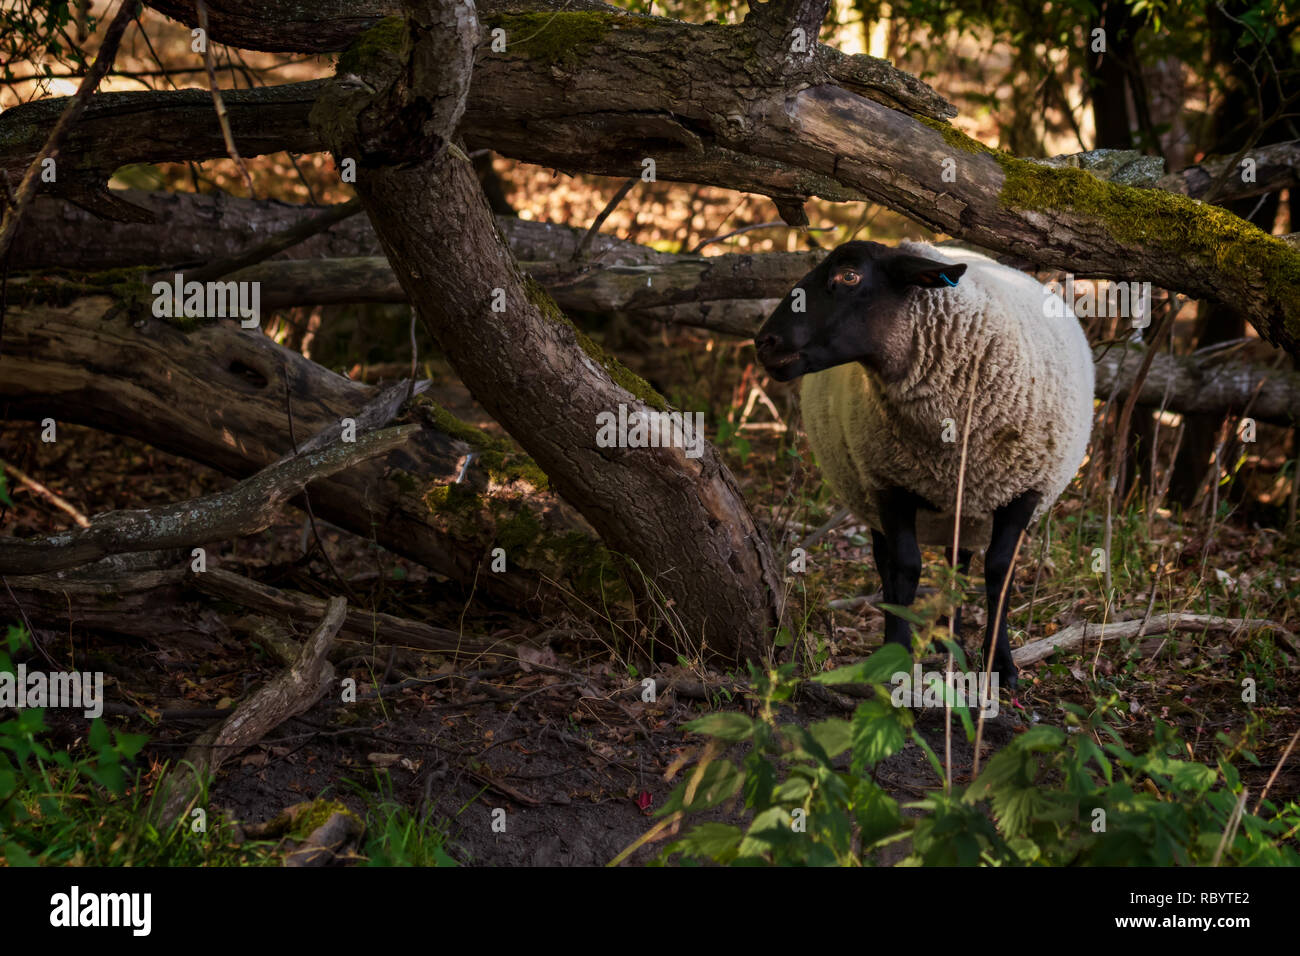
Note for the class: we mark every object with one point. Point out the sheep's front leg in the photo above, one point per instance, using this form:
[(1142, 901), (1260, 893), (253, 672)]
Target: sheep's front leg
[(1008, 523), (898, 558)]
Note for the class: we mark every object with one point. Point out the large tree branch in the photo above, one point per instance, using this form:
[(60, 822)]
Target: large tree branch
[(675, 513), (602, 92)]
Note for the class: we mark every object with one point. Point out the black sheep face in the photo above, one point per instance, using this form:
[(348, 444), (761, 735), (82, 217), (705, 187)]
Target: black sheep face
[(851, 308)]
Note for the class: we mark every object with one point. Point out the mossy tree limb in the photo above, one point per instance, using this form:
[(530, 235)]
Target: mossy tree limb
[(700, 101)]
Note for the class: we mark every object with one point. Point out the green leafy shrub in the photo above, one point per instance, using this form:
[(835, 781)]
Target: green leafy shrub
[(1055, 797)]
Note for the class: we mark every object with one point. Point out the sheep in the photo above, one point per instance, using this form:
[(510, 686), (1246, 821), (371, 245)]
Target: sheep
[(890, 343)]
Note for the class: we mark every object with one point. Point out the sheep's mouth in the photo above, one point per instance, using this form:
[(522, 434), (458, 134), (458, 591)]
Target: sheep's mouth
[(775, 362)]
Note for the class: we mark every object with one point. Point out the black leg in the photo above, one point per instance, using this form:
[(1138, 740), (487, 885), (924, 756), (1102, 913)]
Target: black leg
[(1008, 522), (963, 565), (898, 558)]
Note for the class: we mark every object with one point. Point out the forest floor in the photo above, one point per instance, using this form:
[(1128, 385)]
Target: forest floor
[(559, 737)]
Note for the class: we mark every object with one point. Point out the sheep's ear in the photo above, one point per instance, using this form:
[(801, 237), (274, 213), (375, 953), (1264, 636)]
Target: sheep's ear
[(914, 270)]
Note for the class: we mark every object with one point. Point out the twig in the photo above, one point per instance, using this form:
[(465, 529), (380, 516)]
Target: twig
[(758, 225), (1273, 776), (988, 664), (1126, 413), (223, 118), (956, 552), (833, 522), (40, 489), (600, 219), (1230, 830)]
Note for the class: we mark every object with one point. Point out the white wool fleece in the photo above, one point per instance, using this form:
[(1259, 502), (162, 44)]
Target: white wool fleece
[(1031, 419)]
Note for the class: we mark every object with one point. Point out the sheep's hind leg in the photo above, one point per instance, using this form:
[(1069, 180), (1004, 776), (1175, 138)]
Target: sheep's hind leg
[(898, 558), (1008, 523)]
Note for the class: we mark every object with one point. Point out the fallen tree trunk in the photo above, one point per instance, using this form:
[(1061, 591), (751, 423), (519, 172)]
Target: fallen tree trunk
[(169, 608), (192, 229), (220, 395), (359, 624), (728, 294), (150, 605), (1194, 384), (603, 92)]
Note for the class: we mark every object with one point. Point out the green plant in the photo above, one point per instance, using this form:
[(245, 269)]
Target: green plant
[(36, 781), (396, 836), (1073, 796)]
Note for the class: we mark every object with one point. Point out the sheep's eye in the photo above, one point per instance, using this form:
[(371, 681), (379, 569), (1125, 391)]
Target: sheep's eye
[(848, 277)]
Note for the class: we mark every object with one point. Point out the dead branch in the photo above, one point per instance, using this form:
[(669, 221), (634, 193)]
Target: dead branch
[(249, 507), (178, 398), (291, 693), (1077, 634)]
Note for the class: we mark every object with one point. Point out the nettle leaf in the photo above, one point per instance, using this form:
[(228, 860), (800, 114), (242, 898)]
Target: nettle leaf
[(877, 733), (806, 746), (717, 782), (1041, 737), (15, 855), (1183, 775), (1009, 768), (760, 777), (877, 812), (1016, 808), (714, 841), (876, 669), (725, 725), (835, 735), (98, 738), (1086, 749), (128, 745), (768, 828), (794, 790)]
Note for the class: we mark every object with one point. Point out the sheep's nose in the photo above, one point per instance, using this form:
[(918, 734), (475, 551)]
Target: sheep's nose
[(766, 343)]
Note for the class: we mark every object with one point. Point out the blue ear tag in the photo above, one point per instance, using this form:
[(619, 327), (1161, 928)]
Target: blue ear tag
[(946, 280)]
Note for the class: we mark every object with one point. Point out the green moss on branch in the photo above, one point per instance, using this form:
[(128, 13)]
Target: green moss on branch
[(502, 460), (387, 39), (561, 39), (1149, 217)]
